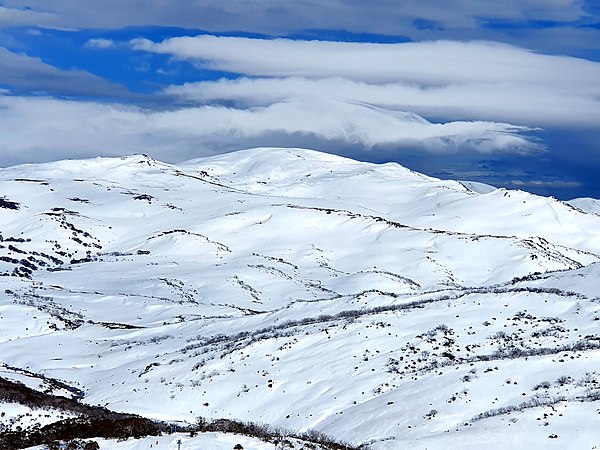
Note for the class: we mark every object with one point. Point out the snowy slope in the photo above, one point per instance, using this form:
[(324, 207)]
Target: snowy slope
[(208, 441), (308, 291), (589, 205)]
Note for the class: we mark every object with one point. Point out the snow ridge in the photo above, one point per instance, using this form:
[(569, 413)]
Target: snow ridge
[(307, 291)]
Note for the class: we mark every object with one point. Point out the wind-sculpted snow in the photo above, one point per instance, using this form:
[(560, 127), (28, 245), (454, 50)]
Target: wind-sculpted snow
[(307, 291)]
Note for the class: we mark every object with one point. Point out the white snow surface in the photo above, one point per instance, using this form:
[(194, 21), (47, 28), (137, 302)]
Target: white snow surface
[(589, 205), (308, 291), (205, 441)]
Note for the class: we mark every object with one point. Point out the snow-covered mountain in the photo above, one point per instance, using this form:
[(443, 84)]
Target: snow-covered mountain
[(304, 290)]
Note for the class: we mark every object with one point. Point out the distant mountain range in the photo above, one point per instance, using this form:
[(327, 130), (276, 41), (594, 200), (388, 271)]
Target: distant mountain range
[(306, 291)]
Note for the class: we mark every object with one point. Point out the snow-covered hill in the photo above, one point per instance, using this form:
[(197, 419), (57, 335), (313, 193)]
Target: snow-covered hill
[(307, 291)]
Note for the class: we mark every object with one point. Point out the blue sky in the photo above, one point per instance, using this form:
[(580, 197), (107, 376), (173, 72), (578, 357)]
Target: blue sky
[(505, 93)]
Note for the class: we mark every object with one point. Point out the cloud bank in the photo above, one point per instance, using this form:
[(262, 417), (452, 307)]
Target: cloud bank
[(442, 79), (426, 63), (437, 96), (275, 17), (566, 26), (38, 128)]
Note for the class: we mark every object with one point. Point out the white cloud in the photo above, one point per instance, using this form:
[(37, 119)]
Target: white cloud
[(12, 17), (427, 63), (545, 183), (532, 104), (465, 19), (100, 43), (34, 128), (487, 95), (274, 16), (466, 80), (417, 20), (363, 110)]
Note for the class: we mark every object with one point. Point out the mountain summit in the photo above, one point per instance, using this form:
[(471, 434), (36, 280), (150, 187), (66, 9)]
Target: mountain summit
[(304, 290)]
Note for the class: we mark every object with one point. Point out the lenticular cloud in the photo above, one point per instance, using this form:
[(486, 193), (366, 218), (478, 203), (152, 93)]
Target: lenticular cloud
[(452, 80), (52, 127)]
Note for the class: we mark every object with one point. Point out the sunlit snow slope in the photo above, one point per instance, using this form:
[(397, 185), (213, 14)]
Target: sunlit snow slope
[(308, 291)]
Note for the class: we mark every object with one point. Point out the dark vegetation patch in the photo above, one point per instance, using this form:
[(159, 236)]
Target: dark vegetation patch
[(19, 393), (145, 197), (79, 236), (60, 211), (87, 259), (95, 421), (171, 206), (51, 258), (119, 326), (531, 403), (81, 428), (25, 266), (7, 204), (8, 259), (272, 434), (14, 239), (99, 422), (32, 180), (236, 341), (70, 318)]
